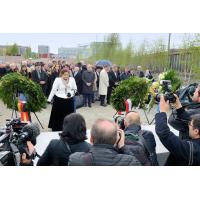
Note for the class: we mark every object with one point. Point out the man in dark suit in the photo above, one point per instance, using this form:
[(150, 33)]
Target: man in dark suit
[(114, 79), (40, 76), (78, 78)]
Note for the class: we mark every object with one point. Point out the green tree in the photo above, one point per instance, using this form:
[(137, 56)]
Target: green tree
[(27, 53), (12, 50)]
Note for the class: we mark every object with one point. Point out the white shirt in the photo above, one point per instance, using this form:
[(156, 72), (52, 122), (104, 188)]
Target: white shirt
[(60, 90)]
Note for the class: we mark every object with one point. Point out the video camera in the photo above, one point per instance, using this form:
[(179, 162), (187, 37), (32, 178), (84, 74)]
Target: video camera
[(13, 141), (168, 94)]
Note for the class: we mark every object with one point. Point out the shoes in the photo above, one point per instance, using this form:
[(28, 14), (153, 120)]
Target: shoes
[(90, 105), (103, 105)]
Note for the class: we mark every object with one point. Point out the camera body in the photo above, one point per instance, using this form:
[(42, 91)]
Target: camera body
[(168, 94), (119, 119), (13, 140)]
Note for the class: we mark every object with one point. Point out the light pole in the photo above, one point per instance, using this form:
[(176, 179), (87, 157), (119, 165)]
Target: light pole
[(169, 41)]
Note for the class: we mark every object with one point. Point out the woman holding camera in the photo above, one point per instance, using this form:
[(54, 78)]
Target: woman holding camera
[(62, 93), (72, 139)]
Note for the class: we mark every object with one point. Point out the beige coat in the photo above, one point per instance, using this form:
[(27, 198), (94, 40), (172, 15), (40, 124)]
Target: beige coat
[(103, 82)]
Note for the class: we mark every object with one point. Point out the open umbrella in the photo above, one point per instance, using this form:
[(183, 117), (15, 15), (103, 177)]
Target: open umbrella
[(102, 63)]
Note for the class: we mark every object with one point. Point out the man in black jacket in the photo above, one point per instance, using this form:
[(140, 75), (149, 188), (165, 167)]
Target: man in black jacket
[(78, 78), (182, 152), (40, 76), (180, 117), (107, 149), (88, 78), (113, 81), (144, 150)]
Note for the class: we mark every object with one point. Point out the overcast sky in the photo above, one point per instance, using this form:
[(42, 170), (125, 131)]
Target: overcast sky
[(56, 40)]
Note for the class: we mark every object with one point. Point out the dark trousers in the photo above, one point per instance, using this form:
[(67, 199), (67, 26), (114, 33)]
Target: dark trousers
[(87, 98), (109, 94), (93, 98), (102, 99)]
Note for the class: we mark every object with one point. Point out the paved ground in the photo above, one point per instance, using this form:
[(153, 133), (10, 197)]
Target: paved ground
[(90, 114)]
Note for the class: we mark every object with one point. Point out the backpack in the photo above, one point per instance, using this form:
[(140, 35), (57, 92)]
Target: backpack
[(137, 146)]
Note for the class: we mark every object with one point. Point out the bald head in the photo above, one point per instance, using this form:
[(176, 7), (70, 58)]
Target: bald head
[(104, 132), (132, 118)]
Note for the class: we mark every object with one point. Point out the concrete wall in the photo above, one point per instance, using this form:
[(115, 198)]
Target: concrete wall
[(11, 59)]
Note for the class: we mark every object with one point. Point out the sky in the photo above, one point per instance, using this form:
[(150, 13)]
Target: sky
[(56, 40)]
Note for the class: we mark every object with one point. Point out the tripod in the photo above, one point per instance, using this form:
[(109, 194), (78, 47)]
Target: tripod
[(14, 111)]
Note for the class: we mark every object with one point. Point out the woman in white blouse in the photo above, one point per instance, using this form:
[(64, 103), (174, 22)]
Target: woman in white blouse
[(62, 93)]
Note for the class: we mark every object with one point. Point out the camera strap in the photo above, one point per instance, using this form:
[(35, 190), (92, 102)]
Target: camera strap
[(67, 146), (16, 153)]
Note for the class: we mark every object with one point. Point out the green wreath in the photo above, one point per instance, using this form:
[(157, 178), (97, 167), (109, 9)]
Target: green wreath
[(13, 83), (133, 88)]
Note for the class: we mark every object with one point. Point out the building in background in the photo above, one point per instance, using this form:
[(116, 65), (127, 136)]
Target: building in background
[(21, 49), (43, 51), (67, 53), (80, 52)]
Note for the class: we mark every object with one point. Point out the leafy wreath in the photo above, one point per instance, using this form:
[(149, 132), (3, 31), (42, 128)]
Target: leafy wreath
[(14, 83), (138, 90), (133, 88)]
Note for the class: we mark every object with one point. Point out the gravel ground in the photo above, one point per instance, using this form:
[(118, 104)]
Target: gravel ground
[(90, 114)]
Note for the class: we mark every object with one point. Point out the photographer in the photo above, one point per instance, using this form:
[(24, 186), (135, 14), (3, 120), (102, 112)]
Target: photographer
[(72, 139), (107, 149), (17, 143), (182, 152), (140, 143), (179, 119), (26, 160)]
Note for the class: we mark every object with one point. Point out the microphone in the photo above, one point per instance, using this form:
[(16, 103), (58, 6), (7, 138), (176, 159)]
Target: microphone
[(31, 131)]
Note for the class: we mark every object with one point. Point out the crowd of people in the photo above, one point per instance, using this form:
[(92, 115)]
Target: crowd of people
[(60, 82), (109, 145), (94, 82)]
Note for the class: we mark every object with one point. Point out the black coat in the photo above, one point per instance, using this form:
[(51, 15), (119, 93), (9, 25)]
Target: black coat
[(97, 79), (179, 121), (102, 155), (88, 77), (179, 149), (149, 140), (79, 81), (140, 74), (3, 71), (125, 76), (57, 154), (36, 78), (113, 79)]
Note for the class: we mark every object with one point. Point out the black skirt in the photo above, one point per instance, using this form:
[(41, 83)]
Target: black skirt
[(60, 108)]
